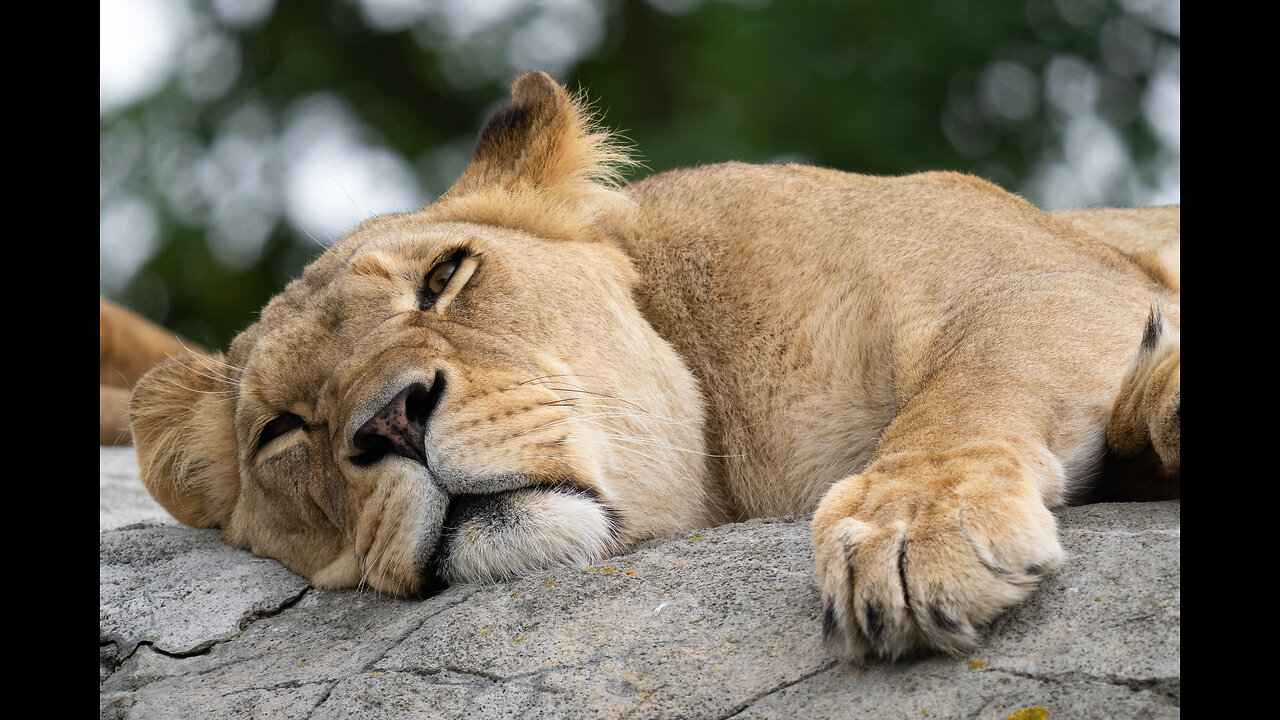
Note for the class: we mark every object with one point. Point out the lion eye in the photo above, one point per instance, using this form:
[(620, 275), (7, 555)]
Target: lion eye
[(438, 278), (279, 426), (446, 278)]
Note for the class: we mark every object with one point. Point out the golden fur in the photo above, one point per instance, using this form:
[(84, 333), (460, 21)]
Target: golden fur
[(128, 346), (542, 368)]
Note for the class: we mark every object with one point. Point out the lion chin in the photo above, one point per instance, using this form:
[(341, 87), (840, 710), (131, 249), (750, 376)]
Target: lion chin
[(494, 537), (544, 367)]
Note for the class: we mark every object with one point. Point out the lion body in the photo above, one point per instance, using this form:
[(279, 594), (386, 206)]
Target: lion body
[(928, 363), (809, 349)]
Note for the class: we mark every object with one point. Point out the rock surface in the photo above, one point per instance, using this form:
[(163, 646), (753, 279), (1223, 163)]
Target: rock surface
[(716, 623)]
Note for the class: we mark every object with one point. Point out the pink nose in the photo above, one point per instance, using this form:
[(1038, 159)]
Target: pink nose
[(400, 427)]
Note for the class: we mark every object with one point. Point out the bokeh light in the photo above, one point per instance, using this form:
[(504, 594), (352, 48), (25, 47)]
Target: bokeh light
[(241, 137)]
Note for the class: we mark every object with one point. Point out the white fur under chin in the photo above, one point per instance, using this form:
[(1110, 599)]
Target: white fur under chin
[(553, 529)]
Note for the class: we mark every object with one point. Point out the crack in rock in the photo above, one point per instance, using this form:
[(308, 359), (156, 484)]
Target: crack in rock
[(1170, 688), (438, 674), (743, 707), (491, 677), (244, 624), (533, 679), (391, 646), (200, 650), (108, 660), (323, 699)]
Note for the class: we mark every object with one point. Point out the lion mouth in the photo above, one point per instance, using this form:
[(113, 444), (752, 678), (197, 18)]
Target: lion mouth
[(492, 537)]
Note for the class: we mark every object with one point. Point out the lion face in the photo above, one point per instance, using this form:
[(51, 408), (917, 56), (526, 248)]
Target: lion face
[(454, 395)]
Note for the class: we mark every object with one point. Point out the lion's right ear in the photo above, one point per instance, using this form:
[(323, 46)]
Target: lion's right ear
[(181, 415), (541, 164)]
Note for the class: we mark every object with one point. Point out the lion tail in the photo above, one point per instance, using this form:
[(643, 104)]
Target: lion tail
[(1147, 410)]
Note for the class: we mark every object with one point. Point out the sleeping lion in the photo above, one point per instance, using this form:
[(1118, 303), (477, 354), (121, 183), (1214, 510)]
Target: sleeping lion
[(543, 368)]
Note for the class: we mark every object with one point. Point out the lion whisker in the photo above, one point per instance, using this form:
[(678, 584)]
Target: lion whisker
[(570, 387), (599, 395), (642, 417), (209, 374), (548, 377), (204, 360), (229, 394), (219, 379), (566, 420), (604, 435)]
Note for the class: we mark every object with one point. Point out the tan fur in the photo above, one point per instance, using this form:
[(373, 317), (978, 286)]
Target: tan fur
[(928, 363), (1151, 236), (128, 346)]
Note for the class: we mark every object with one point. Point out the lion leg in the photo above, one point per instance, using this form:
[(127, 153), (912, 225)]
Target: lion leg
[(944, 529), (1148, 408), (128, 346), (113, 415)]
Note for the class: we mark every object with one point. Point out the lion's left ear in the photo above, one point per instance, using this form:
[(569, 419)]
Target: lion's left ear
[(182, 414), (540, 163)]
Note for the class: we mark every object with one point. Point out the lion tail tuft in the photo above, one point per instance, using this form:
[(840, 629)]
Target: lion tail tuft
[(1148, 409)]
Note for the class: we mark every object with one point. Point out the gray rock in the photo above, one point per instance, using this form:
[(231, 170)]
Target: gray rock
[(122, 498), (182, 589), (710, 624)]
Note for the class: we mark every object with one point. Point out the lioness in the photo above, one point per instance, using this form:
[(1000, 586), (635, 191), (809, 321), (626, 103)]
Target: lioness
[(542, 368)]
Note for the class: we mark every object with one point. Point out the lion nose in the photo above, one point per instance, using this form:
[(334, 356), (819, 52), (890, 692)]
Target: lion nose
[(400, 427)]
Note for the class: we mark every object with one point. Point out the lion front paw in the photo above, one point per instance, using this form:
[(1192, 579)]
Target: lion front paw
[(902, 569)]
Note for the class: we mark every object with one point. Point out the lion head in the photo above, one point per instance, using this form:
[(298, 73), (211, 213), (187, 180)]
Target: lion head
[(462, 393)]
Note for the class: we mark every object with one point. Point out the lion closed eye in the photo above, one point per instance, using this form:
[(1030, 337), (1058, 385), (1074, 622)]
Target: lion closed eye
[(544, 368)]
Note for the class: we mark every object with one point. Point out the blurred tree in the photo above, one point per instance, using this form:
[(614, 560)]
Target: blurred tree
[(241, 137)]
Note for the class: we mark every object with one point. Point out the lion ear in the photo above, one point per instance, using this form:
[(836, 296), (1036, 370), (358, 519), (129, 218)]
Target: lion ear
[(541, 154), (181, 415)]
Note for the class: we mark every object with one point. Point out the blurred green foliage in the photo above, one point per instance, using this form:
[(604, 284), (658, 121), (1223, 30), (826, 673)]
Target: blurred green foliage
[(1028, 94)]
